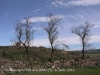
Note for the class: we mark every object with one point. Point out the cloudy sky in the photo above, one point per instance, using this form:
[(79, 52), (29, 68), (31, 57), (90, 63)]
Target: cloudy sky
[(72, 12)]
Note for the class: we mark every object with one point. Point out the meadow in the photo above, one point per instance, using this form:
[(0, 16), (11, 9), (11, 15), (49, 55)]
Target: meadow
[(69, 71)]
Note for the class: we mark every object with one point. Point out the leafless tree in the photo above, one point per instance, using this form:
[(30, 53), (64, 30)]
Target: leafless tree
[(52, 30), (83, 31), (24, 33)]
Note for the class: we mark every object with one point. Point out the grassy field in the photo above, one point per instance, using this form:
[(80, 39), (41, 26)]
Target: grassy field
[(69, 71), (93, 55)]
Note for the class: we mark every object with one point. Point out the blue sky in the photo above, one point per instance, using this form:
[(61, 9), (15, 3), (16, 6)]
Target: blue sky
[(72, 12)]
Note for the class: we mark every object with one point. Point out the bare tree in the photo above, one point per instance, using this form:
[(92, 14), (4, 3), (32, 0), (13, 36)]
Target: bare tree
[(83, 31), (24, 33), (52, 30)]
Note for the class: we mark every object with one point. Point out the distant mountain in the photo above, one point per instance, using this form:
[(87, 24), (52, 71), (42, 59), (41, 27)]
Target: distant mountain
[(97, 51)]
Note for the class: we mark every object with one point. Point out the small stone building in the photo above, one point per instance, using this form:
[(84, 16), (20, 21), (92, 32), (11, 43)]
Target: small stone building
[(18, 44)]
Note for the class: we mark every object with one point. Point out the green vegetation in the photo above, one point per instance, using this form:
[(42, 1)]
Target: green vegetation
[(39, 54), (77, 71), (93, 55)]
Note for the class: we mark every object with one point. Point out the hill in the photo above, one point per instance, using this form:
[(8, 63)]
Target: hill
[(36, 53), (97, 51), (39, 53)]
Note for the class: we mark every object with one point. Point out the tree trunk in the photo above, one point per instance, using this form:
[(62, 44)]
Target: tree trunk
[(83, 54), (52, 54), (83, 51), (27, 52)]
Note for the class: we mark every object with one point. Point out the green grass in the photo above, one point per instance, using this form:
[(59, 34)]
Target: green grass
[(39, 54), (77, 71), (93, 55)]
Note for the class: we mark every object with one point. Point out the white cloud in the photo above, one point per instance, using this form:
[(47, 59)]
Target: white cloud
[(67, 40), (84, 2), (81, 16), (36, 10), (40, 42), (75, 2), (57, 3), (60, 16), (75, 17), (41, 19), (71, 17), (76, 40), (95, 38), (96, 26), (36, 19)]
